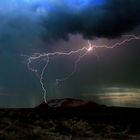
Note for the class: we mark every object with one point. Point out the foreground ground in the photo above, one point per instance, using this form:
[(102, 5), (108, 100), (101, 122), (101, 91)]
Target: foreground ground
[(70, 122)]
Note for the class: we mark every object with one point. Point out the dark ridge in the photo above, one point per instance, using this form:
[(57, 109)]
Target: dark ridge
[(69, 103)]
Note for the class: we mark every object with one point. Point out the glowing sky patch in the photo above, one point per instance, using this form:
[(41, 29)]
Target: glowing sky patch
[(49, 6), (85, 2)]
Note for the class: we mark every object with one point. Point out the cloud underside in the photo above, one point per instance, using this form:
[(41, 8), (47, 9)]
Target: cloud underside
[(111, 19)]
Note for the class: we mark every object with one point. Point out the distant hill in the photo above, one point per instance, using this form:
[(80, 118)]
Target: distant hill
[(69, 103)]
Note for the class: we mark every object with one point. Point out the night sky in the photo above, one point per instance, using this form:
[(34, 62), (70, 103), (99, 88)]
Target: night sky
[(42, 26)]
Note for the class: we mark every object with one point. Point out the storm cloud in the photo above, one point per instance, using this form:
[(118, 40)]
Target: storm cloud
[(91, 18), (53, 20), (27, 26)]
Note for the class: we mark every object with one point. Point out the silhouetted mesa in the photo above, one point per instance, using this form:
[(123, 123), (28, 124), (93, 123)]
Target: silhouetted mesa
[(69, 103)]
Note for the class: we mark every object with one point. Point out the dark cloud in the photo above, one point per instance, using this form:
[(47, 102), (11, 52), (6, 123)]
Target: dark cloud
[(110, 19)]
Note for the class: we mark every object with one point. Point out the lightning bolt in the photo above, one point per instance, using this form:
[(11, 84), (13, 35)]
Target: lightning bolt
[(80, 53)]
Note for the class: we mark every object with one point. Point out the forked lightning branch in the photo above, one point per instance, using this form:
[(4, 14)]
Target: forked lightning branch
[(80, 53)]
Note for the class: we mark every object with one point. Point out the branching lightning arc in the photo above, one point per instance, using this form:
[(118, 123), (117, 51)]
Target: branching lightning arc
[(80, 53)]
